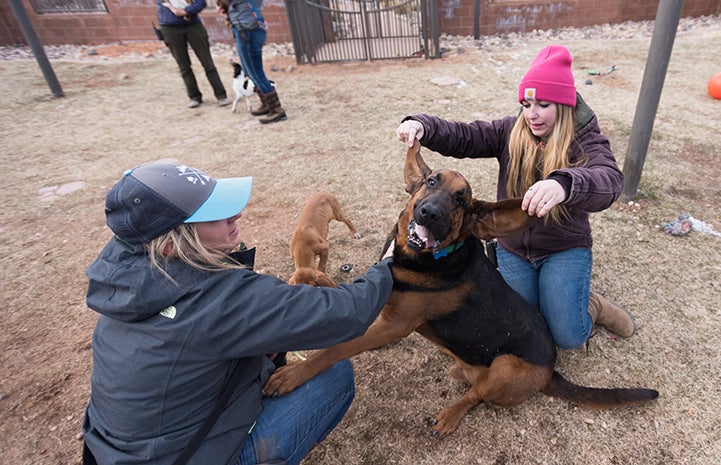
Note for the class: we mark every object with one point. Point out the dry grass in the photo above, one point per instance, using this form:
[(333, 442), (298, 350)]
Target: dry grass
[(340, 137)]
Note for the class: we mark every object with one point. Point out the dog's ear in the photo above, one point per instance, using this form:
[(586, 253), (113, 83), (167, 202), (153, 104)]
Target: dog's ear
[(499, 219), (416, 170)]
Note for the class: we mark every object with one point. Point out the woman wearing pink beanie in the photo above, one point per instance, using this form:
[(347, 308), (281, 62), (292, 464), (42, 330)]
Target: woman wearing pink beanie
[(555, 157)]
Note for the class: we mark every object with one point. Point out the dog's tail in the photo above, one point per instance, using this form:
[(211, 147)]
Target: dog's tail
[(596, 398)]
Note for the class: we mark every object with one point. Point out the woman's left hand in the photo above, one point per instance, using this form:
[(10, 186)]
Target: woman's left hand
[(542, 196)]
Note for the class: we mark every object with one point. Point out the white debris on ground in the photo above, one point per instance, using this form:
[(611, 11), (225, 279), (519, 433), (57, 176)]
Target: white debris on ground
[(448, 44), (48, 194)]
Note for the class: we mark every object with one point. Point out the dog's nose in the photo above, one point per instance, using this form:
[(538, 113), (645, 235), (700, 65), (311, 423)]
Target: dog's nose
[(428, 212)]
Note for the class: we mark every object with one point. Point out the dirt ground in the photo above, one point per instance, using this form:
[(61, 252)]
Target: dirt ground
[(61, 155)]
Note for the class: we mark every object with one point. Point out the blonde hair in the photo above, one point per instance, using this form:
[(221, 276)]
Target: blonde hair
[(184, 244), (532, 159)]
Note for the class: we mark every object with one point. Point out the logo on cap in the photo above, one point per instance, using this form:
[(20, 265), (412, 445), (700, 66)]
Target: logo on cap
[(530, 93), (193, 175)]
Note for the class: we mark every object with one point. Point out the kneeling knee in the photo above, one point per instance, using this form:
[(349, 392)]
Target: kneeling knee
[(568, 342)]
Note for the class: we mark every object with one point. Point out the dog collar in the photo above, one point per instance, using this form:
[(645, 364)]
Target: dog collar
[(445, 251)]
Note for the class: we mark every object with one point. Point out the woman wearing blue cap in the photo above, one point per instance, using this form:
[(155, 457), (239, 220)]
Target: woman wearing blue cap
[(554, 156), (188, 333)]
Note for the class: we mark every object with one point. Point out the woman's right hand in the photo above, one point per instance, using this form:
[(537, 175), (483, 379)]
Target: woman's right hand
[(409, 130)]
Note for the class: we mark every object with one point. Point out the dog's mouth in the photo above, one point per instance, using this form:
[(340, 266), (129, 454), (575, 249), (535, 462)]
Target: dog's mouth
[(419, 237)]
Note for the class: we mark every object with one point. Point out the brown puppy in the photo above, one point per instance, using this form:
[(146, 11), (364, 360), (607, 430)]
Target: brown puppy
[(447, 290), (309, 239)]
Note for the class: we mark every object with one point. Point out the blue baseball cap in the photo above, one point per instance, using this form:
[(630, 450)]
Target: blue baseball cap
[(152, 199)]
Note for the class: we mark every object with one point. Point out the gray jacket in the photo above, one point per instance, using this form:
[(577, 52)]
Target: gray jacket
[(241, 14), (162, 351), (592, 186)]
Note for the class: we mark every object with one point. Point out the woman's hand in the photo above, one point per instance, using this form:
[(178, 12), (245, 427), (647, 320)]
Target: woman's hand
[(389, 250), (409, 131), (542, 196)]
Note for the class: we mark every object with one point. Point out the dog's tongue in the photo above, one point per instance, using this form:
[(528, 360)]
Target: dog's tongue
[(426, 236)]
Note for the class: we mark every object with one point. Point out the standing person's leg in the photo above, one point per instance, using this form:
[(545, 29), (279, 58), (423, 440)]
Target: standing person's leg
[(564, 287), (241, 39), (289, 426), (198, 40), (243, 51), (253, 51), (175, 37), (253, 48)]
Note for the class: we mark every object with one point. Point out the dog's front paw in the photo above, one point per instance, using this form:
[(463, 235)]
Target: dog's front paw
[(447, 421)]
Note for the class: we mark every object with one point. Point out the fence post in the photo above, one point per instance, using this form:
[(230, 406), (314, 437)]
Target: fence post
[(659, 53), (31, 36)]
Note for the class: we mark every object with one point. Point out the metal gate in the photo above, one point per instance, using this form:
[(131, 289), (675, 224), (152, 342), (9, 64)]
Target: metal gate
[(351, 30)]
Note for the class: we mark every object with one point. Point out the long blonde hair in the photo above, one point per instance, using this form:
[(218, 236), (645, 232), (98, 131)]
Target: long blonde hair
[(184, 244), (532, 159)]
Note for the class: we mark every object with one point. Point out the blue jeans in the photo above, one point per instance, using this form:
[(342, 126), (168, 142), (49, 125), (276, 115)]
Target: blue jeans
[(290, 425), (559, 286), (250, 53)]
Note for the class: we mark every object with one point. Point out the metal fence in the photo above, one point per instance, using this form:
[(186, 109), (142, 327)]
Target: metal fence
[(353, 30)]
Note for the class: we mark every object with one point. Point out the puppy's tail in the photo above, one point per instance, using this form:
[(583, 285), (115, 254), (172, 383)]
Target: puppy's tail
[(596, 398)]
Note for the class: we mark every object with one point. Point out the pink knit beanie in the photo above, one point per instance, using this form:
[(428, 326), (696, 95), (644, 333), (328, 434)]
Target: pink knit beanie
[(549, 78)]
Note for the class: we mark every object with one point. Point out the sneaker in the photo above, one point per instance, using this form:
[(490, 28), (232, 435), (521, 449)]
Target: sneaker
[(223, 102), (194, 104)]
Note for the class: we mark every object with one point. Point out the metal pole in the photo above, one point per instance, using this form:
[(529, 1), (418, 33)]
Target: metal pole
[(38, 50), (476, 19), (659, 53)]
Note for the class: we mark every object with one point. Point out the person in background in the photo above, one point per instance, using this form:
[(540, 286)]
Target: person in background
[(555, 157), (185, 323), (181, 26), (249, 29)]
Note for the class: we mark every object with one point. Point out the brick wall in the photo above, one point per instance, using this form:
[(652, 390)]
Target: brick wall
[(129, 20), (126, 20), (499, 16)]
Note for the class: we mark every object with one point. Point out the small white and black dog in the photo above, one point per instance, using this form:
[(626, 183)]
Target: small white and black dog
[(242, 86)]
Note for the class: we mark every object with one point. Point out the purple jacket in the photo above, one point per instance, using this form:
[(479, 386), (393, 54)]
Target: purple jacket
[(590, 187)]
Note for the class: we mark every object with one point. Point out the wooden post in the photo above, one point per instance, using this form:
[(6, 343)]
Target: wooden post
[(659, 53)]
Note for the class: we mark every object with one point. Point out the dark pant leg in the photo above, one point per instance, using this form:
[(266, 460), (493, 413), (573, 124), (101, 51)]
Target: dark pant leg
[(198, 40), (176, 38)]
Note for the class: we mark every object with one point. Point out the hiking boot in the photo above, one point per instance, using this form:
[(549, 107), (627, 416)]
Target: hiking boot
[(276, 112), (264, 108), (614, 318)]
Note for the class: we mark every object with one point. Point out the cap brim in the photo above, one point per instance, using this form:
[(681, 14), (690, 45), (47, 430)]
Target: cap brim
[(229, 197)]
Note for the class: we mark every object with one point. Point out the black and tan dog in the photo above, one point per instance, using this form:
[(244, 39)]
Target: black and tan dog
[(310, 239), (447, 290)]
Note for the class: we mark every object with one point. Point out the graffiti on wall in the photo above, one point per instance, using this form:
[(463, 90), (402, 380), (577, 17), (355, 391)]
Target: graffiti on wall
[(448, 7), (522, 18)]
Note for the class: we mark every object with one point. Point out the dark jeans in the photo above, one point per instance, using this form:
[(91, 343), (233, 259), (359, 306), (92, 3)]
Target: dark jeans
[(177, 38)]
